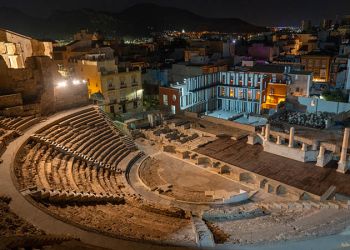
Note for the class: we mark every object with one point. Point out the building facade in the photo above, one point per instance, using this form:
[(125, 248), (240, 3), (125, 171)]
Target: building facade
[(236, 92), (245, 90), (319, 64)]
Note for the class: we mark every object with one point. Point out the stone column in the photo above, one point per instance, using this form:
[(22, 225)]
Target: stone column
[(322, 158), (278, 142), (304, 147), (263, 131), (267, 132), (342, 164), (291, 137), (345, 145), (321, 153)]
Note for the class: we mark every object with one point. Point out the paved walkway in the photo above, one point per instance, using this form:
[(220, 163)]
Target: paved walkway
[(44, 221)]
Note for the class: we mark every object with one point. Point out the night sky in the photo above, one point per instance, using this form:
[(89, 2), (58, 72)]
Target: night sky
[(259, 12)]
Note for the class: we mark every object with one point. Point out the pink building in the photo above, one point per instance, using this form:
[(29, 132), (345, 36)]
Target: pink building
[(264, 52)]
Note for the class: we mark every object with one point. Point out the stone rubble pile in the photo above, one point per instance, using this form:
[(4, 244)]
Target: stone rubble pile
[(303, 119)]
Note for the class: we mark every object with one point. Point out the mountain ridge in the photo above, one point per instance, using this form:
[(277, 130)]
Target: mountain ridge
[(137, 20)]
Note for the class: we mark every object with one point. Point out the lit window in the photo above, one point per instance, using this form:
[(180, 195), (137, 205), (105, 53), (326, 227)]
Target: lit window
[(231, 92), (165, 100)]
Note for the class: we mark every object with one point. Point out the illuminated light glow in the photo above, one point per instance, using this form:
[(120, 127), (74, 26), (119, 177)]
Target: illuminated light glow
[(183, 31), (62, 84), (84, 81), (76, 82)]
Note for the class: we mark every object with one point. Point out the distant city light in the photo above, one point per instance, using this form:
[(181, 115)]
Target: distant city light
[(234, 41), (62, 84), (183, 31)]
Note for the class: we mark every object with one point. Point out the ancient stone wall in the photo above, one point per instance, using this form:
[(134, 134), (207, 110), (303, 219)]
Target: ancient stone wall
[(7, 101)]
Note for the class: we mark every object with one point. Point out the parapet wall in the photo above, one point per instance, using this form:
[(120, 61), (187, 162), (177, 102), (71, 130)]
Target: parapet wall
[(228, 123), (7, 101), (291, 153)]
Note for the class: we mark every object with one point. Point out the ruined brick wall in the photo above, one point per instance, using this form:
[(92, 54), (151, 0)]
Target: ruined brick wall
[(7, 101), (71, 96)]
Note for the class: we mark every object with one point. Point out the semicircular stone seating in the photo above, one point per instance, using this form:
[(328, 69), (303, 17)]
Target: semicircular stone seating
[(75, 159), (83, 159), (12, 127)]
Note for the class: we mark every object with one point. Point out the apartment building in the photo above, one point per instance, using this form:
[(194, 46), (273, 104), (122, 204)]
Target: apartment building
[(121, 88)]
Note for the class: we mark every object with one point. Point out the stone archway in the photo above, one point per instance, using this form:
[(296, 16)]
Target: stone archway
[(270, 188), (281, 190), (247, 177), (224, 169), (205, 161), (305, 196), (263, 183)]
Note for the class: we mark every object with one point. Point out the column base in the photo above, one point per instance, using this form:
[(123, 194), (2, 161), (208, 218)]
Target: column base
[(343, 167), (324, 160)]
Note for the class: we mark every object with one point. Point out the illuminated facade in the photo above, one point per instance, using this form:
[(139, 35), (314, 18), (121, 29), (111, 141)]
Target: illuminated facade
[(234, 91), (319, 64), (120, 88), (240, 91), (275, 94)]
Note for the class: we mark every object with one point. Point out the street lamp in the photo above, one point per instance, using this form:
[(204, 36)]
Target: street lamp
[(62, 84)]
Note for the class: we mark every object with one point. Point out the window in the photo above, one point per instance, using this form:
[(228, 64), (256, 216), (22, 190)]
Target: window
[(111, 109), (222, 91), (135, 104), (249, 94), (257, 95), (240, 94), (231, 92), (133, 79), (165, 100), (110, 85), (122, 82)]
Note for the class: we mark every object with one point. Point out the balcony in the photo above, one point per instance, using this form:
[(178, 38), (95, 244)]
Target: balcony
[(238, 99)]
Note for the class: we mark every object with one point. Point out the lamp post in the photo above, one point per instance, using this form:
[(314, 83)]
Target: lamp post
[(314, 103)]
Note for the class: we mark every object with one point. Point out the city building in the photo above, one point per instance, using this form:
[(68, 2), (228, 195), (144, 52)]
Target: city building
[(306, 25), (244, 90), (231, 91), (263, 52), (121, 88), (182, 70), (319, 63)]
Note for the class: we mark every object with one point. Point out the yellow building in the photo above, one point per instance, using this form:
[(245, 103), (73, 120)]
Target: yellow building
[(275, 94), (319, 64), (121, 88), (122, 91)]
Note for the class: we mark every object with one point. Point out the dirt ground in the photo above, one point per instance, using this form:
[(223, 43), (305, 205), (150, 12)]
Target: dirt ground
[(129, 222), (11, 224), (284, 226), (189, 182)]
